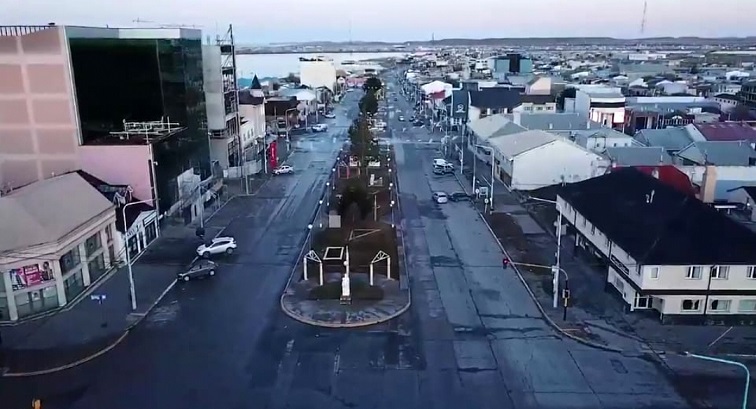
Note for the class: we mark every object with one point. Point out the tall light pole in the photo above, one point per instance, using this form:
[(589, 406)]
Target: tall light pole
[(728, 362), (286, 115), (132, 289), (557, 267), (493, 171)]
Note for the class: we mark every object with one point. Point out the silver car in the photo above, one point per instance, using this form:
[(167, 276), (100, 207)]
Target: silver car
[(440, 197), (201, 268)]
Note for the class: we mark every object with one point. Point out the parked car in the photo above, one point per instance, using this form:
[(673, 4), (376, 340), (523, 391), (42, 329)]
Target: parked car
[(200, 268), (401, 118), (459, 197), (330, 115), (283, 169), (418, 123), (319, 128), (446, 169), (219, 245), (440, 197)]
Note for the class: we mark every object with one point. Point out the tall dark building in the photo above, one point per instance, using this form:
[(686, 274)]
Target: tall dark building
[(127, 77)]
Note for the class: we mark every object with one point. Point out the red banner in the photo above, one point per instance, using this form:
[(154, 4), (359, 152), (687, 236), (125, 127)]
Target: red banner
[(273, 155)]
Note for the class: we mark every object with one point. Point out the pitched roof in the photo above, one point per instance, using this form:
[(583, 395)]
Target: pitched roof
[(485, 127), (657, 224), (255, 83), (495, 98), (638, 155), (519, 143), (48, 210), (671, 139), (727, 131), (723, 153), (557, 121)]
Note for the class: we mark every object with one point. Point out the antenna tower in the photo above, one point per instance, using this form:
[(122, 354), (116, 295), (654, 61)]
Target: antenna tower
[(643, 19)]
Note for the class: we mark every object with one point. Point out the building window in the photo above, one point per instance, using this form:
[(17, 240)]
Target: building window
[(719, 305), (642, 301), (93, 244), (112, 254), (691, 305), (585, 222), (97, 267), (607, 243), (720, 272), (747, 306), (35, 302), (73, 285), (70, 260), (694, 273), (4, 314), (654, 272), (109, 233), (593, 229), (150, 232), (752, 272)]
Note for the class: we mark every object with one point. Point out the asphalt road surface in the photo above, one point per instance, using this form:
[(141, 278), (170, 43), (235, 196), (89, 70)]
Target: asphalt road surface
[(472, 339)]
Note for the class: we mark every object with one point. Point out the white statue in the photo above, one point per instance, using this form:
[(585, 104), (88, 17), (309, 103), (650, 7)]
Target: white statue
[(345, 291)]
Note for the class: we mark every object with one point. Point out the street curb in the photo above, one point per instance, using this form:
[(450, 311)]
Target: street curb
[(99, 353), (548, 319)]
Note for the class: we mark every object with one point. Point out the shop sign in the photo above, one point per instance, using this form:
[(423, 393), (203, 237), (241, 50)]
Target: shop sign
[(30, 276)]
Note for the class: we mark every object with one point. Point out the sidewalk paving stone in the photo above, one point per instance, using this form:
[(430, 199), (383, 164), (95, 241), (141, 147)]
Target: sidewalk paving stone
[(86, 326)]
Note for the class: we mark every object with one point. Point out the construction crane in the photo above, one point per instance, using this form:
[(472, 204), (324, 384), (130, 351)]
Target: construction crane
[(160, 25)]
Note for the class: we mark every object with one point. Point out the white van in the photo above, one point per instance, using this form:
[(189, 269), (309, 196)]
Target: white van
[(439, 162)]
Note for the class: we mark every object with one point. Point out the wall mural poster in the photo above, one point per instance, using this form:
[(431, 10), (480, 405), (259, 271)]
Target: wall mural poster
[(30, 276), (273, 155)]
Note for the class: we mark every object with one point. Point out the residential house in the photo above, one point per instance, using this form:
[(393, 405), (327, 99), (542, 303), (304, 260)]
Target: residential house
[(637, 156), (672, 139), (604, 105), (727, 102), (491, 101), (661, 112), (718, 153), (598, 140), (664, 251), (483, 130), (539, 86), (456, 105), (536, 103), (558, 122), (520, 158)]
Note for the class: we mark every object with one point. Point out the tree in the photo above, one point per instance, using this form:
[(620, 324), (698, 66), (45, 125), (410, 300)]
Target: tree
[(363, 143), (369, 103), (291, 78), (372, 84), (356, 200)]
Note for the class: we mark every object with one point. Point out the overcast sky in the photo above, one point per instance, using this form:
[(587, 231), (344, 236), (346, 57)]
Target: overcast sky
[(258, 21)]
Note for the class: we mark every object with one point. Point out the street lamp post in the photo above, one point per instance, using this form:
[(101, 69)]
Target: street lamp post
[(728, 362), (493, 173), (132, 289), (286, 115), (555, 270), (309, 236)]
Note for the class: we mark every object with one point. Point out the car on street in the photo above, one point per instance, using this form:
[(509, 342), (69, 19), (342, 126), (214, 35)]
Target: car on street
[(218, 245), (459, 197), (445, 169), (418, 123), (283, 170), (413, 119), (199, 269), (440, 197), (319, 128), (401, 118), (330, 115)]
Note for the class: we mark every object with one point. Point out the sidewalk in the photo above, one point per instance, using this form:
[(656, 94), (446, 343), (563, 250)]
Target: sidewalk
[(594, 314), (84, 328)]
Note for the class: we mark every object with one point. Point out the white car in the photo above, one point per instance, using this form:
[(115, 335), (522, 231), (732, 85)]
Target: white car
[(319, 128), (330, 115), (283, 169), (440, 197), (219, 245)]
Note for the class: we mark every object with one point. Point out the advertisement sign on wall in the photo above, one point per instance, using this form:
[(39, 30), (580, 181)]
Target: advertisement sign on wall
[(30, 276), (273, 155)]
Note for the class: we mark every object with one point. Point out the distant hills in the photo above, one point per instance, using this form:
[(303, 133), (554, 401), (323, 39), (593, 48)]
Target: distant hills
[(535, 41)]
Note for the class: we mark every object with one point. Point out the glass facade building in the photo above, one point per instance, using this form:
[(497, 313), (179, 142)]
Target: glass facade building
[(142, 80)]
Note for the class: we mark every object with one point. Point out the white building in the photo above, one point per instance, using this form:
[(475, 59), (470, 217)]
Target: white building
[(534, 159), (664, 250), (605, 105), (317, 72), (220, 103), (58, 238)]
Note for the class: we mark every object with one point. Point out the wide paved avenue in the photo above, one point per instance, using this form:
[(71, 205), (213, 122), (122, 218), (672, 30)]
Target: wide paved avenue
[(472, 338)]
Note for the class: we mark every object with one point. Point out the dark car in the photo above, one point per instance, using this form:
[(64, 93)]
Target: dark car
[(418, 123), (459, 197), (201, 268)]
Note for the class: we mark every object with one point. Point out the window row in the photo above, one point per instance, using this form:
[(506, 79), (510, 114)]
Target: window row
[(716, 272), (719, 305)]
